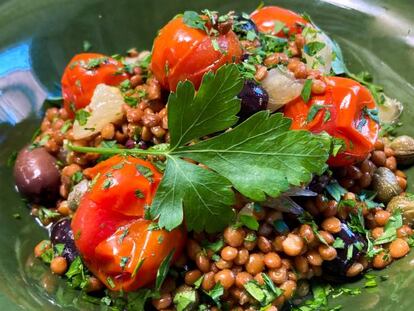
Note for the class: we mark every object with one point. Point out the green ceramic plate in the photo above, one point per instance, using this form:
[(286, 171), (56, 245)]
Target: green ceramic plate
[(37, 39)]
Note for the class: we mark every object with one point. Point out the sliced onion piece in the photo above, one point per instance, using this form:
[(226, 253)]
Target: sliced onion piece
[(282, 87), (390, 110), (322, 60), (105, 107)]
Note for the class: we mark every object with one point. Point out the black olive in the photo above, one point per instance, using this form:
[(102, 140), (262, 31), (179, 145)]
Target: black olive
[(61, 233), (335, 270), (253, 97), (243, 25), (36, 175), (319, 183)]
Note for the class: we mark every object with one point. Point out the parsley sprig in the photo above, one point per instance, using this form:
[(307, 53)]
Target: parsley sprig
[(260, 157)]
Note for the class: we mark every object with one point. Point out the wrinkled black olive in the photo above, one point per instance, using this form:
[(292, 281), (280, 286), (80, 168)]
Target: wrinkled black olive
[(335, 270), (61, 233), (242, 25), (36, 175), (319, 183), (253, 97)]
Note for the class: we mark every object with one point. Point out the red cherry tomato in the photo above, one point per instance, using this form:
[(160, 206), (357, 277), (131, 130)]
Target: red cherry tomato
[(83, 73), (184, 53), (145, 249), (109, 229), (343, 112), (266, 18)]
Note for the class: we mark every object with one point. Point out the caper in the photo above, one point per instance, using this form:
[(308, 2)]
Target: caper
[(385, 184), (404, 202), (403, 147), (77, 193)]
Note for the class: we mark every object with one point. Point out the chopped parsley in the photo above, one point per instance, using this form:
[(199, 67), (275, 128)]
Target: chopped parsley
[(137, 267), (139, 194), (123, 235), (163, 270), (107, 184), (82, 116), (314, 109), (313, 48), (249, 221), (124, 261), (306, 93), (145, 171), (95, 62)]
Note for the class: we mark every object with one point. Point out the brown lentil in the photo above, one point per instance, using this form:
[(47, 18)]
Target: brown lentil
[(331, 224), (289, 288), (261, 73), (377, 232), (402, 182), (58, 265), (378, 158), (399, 248), (327, 237), (163, 302), (293, 245), (223, 264), (272, 260), (264, 244), (202, 262), (255, 263), (327, 253), (354, 270), (278, 275), (314, 258), (229, 253), (381, 260), (242, 278), (234, 236), (94, 284), (225, 278), (42, 247), (208, 281), (381, 217), (242, 257), (391, 163), (108, 131), (404, 231), (192, 276)]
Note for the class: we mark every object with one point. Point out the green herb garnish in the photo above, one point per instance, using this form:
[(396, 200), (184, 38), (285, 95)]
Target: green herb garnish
[(261, 157), (82, 116)]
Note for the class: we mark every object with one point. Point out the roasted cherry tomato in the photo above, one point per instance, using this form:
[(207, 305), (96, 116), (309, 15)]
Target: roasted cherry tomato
[(266, 18), (347, 111), (124, 184), (83, 73), (144, 248), (109, 229), (184, 53)]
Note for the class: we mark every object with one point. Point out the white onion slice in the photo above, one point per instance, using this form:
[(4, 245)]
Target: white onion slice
[(105, 107), (390, 110), (282, 87), (322, 60)]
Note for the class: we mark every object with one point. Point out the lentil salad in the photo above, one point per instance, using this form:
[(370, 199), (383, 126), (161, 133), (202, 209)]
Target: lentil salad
[(257, 241)]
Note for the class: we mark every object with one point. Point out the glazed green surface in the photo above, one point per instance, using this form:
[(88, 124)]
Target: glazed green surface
[(376, 36)]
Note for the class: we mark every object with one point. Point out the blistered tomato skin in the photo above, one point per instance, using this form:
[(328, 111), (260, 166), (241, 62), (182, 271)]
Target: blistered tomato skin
[(266, 17), (108, 224), (343, 115), (144, 247), (184, 53), (80, 79)]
